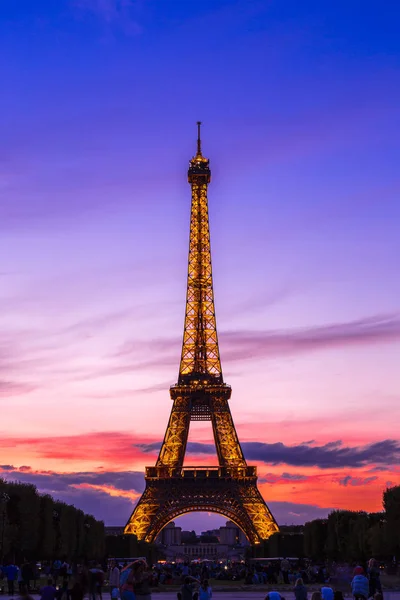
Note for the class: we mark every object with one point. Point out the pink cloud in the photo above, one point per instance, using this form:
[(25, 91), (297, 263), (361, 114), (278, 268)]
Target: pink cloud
[(112, 448), (110, 490), (15, 388), (242, 345)]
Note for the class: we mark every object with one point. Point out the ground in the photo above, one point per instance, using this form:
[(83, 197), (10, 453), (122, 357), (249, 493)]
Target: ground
[(253, 594)]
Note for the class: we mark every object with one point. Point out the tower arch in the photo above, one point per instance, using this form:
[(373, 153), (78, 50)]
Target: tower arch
[(231, 515)]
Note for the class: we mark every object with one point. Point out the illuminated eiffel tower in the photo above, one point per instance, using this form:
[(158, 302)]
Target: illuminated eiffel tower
[(201, 395)]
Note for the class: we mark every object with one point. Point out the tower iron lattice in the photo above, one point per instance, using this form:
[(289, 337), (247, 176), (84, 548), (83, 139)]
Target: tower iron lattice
[(200, 394)]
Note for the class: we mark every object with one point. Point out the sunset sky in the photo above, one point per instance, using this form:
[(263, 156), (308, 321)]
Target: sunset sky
[(301, 109)]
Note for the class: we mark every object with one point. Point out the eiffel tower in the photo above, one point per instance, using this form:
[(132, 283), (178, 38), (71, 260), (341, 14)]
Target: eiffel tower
[(229, 489)]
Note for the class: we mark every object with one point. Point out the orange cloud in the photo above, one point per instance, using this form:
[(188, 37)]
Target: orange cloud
[(109, 449), (358, 486), (109, 489)]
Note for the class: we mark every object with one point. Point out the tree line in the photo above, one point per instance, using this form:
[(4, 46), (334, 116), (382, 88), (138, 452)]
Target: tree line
[(345, 535), (37, 527), (357, 535)]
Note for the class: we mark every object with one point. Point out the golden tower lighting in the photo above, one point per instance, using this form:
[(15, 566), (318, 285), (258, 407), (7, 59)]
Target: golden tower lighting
[(200, 394)]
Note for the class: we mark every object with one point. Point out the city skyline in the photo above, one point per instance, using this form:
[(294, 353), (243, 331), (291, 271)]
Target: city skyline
[(299, 106)]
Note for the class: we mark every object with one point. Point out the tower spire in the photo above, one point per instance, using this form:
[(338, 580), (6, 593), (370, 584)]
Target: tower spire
[(198, 139)]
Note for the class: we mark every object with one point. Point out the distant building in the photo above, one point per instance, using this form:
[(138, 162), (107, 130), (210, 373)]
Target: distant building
[(231, 535), (211, 532), (191, 551), (188, 537), (183, 545), (170, 535)]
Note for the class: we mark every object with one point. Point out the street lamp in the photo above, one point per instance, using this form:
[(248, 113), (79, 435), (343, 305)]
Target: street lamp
[(4, 498)]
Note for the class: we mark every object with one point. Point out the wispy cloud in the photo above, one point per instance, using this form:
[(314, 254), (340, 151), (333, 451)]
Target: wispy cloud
[(30, 359), (191, 448), (368, 331), (288, 513), (110, 490), (53, 482), (15, 388), (270, 298), (241, 345), (282, 478), (356, 481), (156, 387), (379, 469), (331, 455)]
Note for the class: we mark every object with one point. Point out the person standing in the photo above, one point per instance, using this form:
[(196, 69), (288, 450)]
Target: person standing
[(205, 591), (142, 582), (360, 584), (96, 580), (285, 568), (374, 578), (188, 587), (327, 593), (300, 590), (56, 570), (11, 571), (63, 592), (127, 579), (113, 578), (27, 575)]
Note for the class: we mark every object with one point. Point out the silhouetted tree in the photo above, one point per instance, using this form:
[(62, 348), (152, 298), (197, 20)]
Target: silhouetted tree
[(35, 527), (315, 534), (391, 504)]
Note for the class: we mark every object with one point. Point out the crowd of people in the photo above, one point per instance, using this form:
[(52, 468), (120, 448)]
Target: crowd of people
[(365, 585), (27, 574), (63, 581), (134, 580)]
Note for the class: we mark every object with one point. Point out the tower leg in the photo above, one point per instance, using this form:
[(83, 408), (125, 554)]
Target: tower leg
[(140, 522), (227, 443), (258, 512), (172, 452)]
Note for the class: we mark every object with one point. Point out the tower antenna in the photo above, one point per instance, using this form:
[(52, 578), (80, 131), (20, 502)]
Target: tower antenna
[(198, 138)]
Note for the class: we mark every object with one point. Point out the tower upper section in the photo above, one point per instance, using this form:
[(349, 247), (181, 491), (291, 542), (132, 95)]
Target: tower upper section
[(199, 169), (200, 360)]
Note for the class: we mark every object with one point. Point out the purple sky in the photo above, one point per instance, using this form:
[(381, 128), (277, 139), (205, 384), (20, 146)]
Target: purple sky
[(301, 107)]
